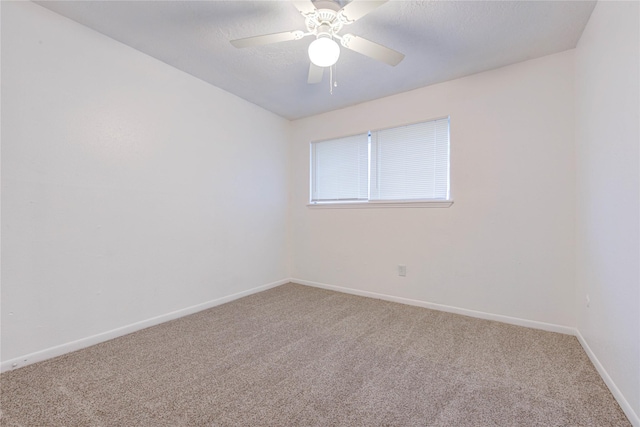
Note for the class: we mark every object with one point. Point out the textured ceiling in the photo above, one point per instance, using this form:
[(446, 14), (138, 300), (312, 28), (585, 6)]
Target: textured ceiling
[(442, 40)]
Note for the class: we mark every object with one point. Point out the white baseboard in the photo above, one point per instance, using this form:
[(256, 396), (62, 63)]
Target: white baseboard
[(624, 404), (440, 307), (59, 350)]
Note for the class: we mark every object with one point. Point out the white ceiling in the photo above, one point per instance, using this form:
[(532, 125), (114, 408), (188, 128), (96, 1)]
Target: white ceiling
[(442, 40)]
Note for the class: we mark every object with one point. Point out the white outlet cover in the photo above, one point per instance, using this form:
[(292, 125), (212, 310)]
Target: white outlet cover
[(402, 270)]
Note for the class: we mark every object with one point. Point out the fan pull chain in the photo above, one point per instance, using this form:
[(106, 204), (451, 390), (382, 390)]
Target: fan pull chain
[(332, 82), (335, 71)]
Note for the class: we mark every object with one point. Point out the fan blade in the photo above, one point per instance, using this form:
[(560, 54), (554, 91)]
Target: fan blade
[(371, 49), (305, 6), (358, 8), (315, 74), (267, 39)]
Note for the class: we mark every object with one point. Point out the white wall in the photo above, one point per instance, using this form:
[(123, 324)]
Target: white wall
[(129, 189), (608, 193), (506, 246)]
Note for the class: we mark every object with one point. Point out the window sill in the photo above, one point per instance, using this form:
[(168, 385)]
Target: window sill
[(383, 204)]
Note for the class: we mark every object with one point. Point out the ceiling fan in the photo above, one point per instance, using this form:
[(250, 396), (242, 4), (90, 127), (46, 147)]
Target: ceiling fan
[(324, 19)]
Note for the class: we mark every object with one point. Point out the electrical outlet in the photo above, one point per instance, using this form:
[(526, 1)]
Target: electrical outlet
[(588, 300), (402, 270)]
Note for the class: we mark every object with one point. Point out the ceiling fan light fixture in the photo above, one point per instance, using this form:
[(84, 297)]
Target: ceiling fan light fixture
[(324, 52)]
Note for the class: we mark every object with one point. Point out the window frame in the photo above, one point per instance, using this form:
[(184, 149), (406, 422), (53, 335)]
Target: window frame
[(359, 204)]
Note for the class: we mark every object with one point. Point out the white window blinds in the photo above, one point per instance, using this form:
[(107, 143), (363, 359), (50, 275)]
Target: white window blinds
[(407, 163), (411, 162), (340, 169)]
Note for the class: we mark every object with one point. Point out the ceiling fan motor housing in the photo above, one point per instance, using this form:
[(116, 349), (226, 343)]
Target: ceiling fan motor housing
[(324, 21), (324, 30)]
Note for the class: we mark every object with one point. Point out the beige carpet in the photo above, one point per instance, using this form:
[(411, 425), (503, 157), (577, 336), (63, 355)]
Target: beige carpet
[(300, 356)]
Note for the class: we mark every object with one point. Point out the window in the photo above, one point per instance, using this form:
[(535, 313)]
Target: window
[(403, 165)]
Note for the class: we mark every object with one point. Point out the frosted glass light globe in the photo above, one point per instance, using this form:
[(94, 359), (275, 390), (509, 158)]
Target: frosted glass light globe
[(324, 52)]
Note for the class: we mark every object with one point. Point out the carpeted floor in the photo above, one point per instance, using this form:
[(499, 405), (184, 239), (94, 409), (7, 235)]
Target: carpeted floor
[(300, 356)]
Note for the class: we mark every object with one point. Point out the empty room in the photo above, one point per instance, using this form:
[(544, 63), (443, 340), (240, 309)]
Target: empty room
[(320, 213)]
